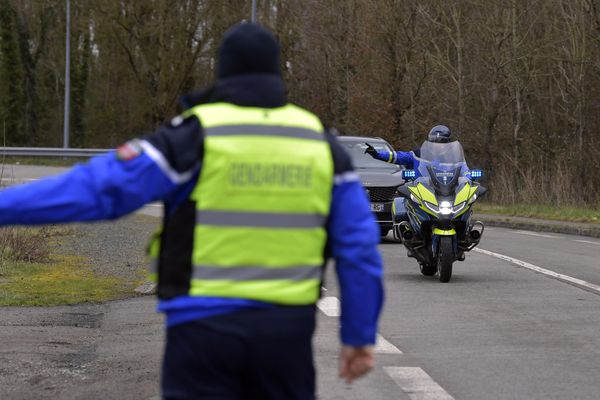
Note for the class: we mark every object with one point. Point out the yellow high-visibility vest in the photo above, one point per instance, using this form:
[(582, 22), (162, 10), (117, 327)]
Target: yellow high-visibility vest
[(262, 201)]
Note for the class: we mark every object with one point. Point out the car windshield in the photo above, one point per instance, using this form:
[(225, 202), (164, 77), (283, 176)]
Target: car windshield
[(441, 156), (360, 160)]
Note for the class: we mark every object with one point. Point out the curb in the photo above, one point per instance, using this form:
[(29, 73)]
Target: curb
[(538, 225), (147, 288)]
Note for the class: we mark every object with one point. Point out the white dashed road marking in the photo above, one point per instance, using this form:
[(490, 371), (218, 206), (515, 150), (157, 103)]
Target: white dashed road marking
[(417, 384), (382, 346), (330, 306), (413, 381), (564, 278)]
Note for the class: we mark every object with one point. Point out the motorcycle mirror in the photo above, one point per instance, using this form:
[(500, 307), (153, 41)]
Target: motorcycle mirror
[(409, 174), (482, 190)]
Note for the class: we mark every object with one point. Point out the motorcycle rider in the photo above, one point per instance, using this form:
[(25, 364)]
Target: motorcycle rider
[(410, 160)]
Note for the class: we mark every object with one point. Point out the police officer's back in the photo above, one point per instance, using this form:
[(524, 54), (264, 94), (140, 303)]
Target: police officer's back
[(257, 196)]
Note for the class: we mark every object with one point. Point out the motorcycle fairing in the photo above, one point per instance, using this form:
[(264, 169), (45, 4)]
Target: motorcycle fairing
[(464, 193)]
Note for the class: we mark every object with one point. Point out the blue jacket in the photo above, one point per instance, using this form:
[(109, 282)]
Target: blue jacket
[(405, 158), (409, 160), (164, 166)]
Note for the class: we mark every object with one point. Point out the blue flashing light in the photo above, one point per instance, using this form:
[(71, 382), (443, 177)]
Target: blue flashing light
[(476, 173), (409, 174)]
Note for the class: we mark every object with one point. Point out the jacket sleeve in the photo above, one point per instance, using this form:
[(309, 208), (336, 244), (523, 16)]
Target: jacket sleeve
[(405, 158), (353, 239), (396, 157), (385, 155), (107, 187)]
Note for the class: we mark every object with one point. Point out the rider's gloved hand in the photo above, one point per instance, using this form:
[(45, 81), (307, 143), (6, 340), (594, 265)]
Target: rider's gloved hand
[(371, 150)]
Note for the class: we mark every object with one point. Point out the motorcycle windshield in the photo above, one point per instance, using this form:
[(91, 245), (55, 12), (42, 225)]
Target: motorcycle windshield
[(442, 158)]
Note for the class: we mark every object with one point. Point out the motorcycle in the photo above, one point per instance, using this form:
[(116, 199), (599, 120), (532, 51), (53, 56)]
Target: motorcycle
[(432, 218)]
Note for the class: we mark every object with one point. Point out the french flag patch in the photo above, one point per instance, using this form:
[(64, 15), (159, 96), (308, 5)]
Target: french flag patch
[(129, 150)]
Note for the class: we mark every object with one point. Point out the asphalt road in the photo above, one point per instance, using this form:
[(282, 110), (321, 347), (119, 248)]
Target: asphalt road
[(498, 330)]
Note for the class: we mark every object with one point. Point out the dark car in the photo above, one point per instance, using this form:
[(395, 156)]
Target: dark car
[(380, 179)]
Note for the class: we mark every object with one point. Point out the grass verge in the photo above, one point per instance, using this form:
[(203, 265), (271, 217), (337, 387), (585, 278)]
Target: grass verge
[(31, 276), (557, 213), (66, 280)]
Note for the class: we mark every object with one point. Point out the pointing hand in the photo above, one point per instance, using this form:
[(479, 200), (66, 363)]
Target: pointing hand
[(371, 150)]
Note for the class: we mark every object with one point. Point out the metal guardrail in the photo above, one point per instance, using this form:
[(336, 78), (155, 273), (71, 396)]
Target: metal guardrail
[(50, 152)]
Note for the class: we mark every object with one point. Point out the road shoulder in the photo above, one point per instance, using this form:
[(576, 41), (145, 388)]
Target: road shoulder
[(540, 225)]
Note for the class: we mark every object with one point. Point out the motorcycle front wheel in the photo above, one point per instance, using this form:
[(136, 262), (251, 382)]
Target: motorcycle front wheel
[(445, 258)]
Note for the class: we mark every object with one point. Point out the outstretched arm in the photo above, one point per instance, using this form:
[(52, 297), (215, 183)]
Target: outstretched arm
[(107, 187), (394, 157)]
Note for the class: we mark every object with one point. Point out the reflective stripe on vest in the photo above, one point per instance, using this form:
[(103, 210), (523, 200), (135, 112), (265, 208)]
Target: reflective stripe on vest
[(261, 130), (259, 219), (262, 201)]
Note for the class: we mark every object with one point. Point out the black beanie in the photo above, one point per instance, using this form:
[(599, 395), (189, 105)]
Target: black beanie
[(246, 49)]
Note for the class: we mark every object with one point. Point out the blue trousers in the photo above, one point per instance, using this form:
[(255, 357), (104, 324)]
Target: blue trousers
[(252, 354)]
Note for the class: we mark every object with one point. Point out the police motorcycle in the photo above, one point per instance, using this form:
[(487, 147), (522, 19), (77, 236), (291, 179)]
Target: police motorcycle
[(432, 218)]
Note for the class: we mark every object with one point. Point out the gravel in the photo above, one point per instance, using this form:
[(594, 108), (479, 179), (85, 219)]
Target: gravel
[(116, 248), (110, 350)]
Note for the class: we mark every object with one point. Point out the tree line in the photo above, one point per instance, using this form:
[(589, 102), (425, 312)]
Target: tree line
[(518, 81)]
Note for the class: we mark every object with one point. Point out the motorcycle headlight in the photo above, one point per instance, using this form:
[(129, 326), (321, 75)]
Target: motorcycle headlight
[(473, 198), (413, 198), (445, 208), (432, 207), (459, 207)]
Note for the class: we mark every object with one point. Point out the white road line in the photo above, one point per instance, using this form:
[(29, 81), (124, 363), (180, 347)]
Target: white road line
[(382, 346), (587, 241), (417, 384), (565, 278), (535, 234), (330, 306)]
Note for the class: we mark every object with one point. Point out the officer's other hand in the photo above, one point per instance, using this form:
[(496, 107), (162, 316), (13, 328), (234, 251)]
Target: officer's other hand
[(371, 150), (355, 362)]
